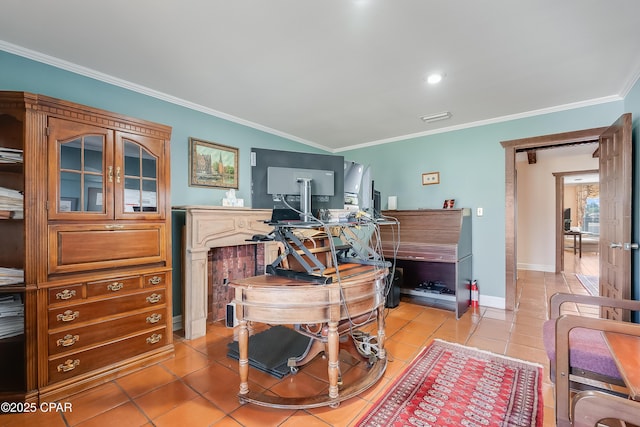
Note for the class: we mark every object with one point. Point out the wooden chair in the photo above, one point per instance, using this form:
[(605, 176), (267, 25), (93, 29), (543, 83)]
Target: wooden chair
[(578, 351), (590, 408)]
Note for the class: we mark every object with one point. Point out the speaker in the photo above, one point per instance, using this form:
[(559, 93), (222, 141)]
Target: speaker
[(394, 282), (231, 319)]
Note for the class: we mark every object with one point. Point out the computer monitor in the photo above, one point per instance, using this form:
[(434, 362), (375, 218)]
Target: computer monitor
[(376, 203), (566, 216), (263, 159)]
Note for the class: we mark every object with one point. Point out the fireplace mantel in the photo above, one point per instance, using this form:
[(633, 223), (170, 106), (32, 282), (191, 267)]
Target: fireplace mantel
[(209, 227)]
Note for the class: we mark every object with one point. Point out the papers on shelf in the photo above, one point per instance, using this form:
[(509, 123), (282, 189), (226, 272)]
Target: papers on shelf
[(12, 201), (11, 315), (11, 155), (11, 276)]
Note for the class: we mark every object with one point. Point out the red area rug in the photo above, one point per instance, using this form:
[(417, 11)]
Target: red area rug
[(449, 384)]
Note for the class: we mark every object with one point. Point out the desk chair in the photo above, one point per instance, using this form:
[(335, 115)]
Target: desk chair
[(592, 407), (578, 353)]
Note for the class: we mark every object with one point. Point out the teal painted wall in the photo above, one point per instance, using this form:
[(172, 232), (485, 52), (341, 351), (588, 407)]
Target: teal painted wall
[(470, 161), (20, 74), (632, 105), (472, 170)]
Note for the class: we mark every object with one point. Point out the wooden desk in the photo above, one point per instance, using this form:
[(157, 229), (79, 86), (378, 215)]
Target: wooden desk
[(626, 350), (578, 235), (280, 300)]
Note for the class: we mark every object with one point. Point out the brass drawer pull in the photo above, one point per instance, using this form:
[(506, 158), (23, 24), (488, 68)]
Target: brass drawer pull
[(68, 340), (118, 175), (69, 365), (154, 339), (114, 226), (66, 294), (155, 280), (115, 286), (154, 298), (110, 174), (68, 316), (154, 318)]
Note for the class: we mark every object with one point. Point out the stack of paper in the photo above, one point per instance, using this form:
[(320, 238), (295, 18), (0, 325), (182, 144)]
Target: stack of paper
[(11, 155), (11, 276), (11, 201), (11, 315)]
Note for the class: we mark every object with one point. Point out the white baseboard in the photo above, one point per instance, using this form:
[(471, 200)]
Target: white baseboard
[(493, 302), (537, 267)]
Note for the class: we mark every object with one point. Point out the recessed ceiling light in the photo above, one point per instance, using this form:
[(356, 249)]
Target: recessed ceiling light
[(436, 117), (434, 78)]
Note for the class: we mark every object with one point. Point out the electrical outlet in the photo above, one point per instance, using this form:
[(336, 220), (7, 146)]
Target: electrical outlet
[(479, 212)]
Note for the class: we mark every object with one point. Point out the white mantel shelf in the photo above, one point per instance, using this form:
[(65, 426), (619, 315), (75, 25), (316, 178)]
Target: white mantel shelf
[(209, 227)]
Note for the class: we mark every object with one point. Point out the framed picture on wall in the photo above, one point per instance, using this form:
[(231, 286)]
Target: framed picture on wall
[(212, 165), (431, 178)]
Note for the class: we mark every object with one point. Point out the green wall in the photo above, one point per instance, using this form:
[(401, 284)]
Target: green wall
[(632, 105), (21, 74), (470, 161)]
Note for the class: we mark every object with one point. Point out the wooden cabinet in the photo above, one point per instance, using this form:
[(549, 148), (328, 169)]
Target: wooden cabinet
[(92, 240), (432, 248)]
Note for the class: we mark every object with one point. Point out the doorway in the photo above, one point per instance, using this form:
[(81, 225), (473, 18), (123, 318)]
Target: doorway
[(578, 243), (578, 211), (615, 172), (511, 148)]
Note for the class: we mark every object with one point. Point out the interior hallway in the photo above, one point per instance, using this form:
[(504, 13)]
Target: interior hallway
[(198, 387)]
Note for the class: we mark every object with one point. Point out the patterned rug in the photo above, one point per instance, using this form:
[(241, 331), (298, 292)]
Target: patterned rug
[(449, 384), (590, 283)]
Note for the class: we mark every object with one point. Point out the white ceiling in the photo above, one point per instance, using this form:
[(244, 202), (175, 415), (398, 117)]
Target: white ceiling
[(339, 74)]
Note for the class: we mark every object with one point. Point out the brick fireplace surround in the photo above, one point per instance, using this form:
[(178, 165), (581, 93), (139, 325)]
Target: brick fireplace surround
[(208, 227), (226, 264)]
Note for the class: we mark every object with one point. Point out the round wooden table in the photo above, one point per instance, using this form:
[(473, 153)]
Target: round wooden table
[(275, 300)]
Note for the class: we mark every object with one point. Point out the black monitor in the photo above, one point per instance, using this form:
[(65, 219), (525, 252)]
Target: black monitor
[(376, 203), (566, 216)]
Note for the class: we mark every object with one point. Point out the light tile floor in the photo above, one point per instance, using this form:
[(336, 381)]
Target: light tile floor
[(198, 386)]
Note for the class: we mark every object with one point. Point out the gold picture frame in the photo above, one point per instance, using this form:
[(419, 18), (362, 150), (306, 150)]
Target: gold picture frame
[(431, 178), (212, 165)]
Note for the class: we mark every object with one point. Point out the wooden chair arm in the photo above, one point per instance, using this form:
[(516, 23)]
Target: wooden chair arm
[(590, 407), (556, 301), (564, 325)]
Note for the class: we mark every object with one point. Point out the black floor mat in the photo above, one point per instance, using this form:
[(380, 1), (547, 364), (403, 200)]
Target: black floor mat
[(270, 350)]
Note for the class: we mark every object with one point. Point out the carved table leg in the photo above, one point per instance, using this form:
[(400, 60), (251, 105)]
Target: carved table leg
[(333, 343), (243, 357), (381, 336)]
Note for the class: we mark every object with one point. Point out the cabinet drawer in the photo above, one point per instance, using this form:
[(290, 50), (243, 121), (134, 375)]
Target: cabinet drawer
[(67, 293), (70, 365), (89, 247), (113, 286), (155, 280), (85, 336), (72, 315)]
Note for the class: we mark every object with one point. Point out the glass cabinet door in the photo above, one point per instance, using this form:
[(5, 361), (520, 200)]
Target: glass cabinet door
[(83, 171), (137, 194)]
